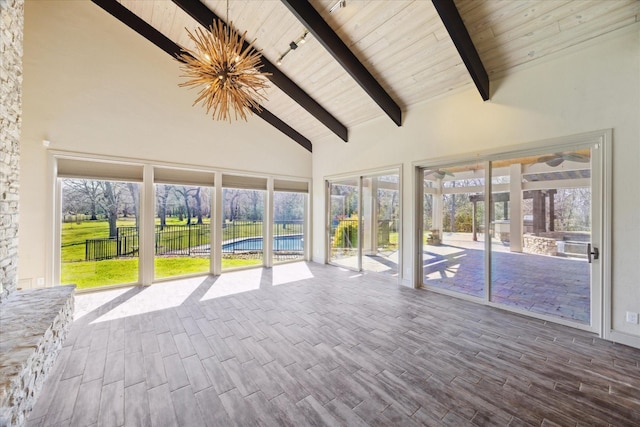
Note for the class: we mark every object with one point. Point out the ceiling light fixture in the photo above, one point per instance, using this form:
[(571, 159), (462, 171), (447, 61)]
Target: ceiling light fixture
[(338, 5), (228, 75), (293, 46)]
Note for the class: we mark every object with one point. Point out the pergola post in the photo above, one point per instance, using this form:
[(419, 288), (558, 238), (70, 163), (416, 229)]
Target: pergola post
[(515, 198), (473, 222)]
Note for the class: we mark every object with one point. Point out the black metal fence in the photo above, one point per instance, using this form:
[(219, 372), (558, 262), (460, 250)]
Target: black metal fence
[(186, 240), (125, 244), (239, 237), (288, 240)]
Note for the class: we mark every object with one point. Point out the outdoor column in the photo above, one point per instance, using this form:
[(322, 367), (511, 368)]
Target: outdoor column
[(438, 203), (539, 212), (473, 223), (515, 199), (552, 209)]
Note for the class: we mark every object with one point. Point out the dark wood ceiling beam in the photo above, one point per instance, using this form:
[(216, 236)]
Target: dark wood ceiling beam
[(141, 27), (205, 17), (462, 40), (312, 20)]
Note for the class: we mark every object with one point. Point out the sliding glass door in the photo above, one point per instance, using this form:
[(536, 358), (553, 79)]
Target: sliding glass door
[(380, 223), (537, 237), (344, 220), (541, 229), (453, 228), (364, 222)]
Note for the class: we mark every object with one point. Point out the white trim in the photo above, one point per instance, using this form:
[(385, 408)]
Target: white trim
[(176, 165), (53, 245), (146, 250), (267, 226), (623, 338), (606, 176), (218, 216)]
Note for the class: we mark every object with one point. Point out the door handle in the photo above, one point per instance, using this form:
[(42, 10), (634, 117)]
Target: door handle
[(595, 252)]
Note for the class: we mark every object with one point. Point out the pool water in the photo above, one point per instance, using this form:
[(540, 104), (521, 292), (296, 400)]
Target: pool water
[(280, 243)]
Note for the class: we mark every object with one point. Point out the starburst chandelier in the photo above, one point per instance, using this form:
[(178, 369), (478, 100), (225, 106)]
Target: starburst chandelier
[(229, 76)]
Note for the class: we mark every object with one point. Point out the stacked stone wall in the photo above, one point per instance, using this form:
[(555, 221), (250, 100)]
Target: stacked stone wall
[(539, 245), (35, 322), (11, 36)]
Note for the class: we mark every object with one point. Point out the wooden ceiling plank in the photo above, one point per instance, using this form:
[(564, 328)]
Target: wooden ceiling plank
[(202, 14), (460, 36), (154, 36), (312, 20)]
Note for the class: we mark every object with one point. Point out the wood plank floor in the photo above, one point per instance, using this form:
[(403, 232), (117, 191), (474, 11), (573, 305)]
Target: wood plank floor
[(308, 344)]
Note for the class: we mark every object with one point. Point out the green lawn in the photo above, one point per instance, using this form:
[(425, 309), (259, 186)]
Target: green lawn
[(89, 274), (179, 266)]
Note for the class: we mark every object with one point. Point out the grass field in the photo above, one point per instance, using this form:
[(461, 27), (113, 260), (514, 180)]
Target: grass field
[(90, 274)]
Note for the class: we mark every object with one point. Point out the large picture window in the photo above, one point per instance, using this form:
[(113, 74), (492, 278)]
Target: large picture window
[(126, 223), (289, 212), (100, 219)]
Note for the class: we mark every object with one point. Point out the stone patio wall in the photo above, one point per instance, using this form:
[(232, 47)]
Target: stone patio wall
[(539, 245), (11, 33)]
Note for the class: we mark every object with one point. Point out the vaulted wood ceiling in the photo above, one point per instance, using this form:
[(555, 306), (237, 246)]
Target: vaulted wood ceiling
[(403, 45)]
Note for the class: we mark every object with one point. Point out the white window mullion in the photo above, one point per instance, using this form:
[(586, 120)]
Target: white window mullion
[(147, 229), (267, 228), (216, 226)]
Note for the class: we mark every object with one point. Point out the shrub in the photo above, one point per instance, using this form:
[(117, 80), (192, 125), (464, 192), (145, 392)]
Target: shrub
[(346, 235)]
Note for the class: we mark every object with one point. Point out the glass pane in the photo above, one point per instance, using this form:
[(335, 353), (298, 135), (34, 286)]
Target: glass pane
[(243, 213), (288, 226), (453, 241), (99, 242), (380, 213), (344, 223), (541, 225), (182, 230)]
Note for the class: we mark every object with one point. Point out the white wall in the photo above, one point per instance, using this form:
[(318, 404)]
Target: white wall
[(593, 87), (92, 85)]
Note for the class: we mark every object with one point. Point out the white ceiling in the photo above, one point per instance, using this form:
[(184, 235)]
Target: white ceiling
[(402, 43)]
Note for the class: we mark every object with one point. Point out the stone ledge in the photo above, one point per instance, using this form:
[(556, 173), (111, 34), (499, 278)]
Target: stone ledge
[(33, 325)]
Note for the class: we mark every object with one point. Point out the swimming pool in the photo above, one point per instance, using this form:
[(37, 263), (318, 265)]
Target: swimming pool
[(293, 242)]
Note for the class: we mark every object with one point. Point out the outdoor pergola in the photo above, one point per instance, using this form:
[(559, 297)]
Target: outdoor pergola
[(512, 181)]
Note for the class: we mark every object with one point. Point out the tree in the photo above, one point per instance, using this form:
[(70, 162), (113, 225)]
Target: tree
[(256, 205), (184, 192), (134, 192), (162, 198), (198, 207), (232, 198), (111, 193), (81, 195)]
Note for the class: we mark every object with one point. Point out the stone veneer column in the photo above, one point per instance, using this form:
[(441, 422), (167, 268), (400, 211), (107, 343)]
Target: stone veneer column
[(11, 32)]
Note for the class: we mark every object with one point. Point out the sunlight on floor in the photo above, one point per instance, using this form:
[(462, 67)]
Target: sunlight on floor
[(289, 273), (159, 296), (86, 303), (234, 282)]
